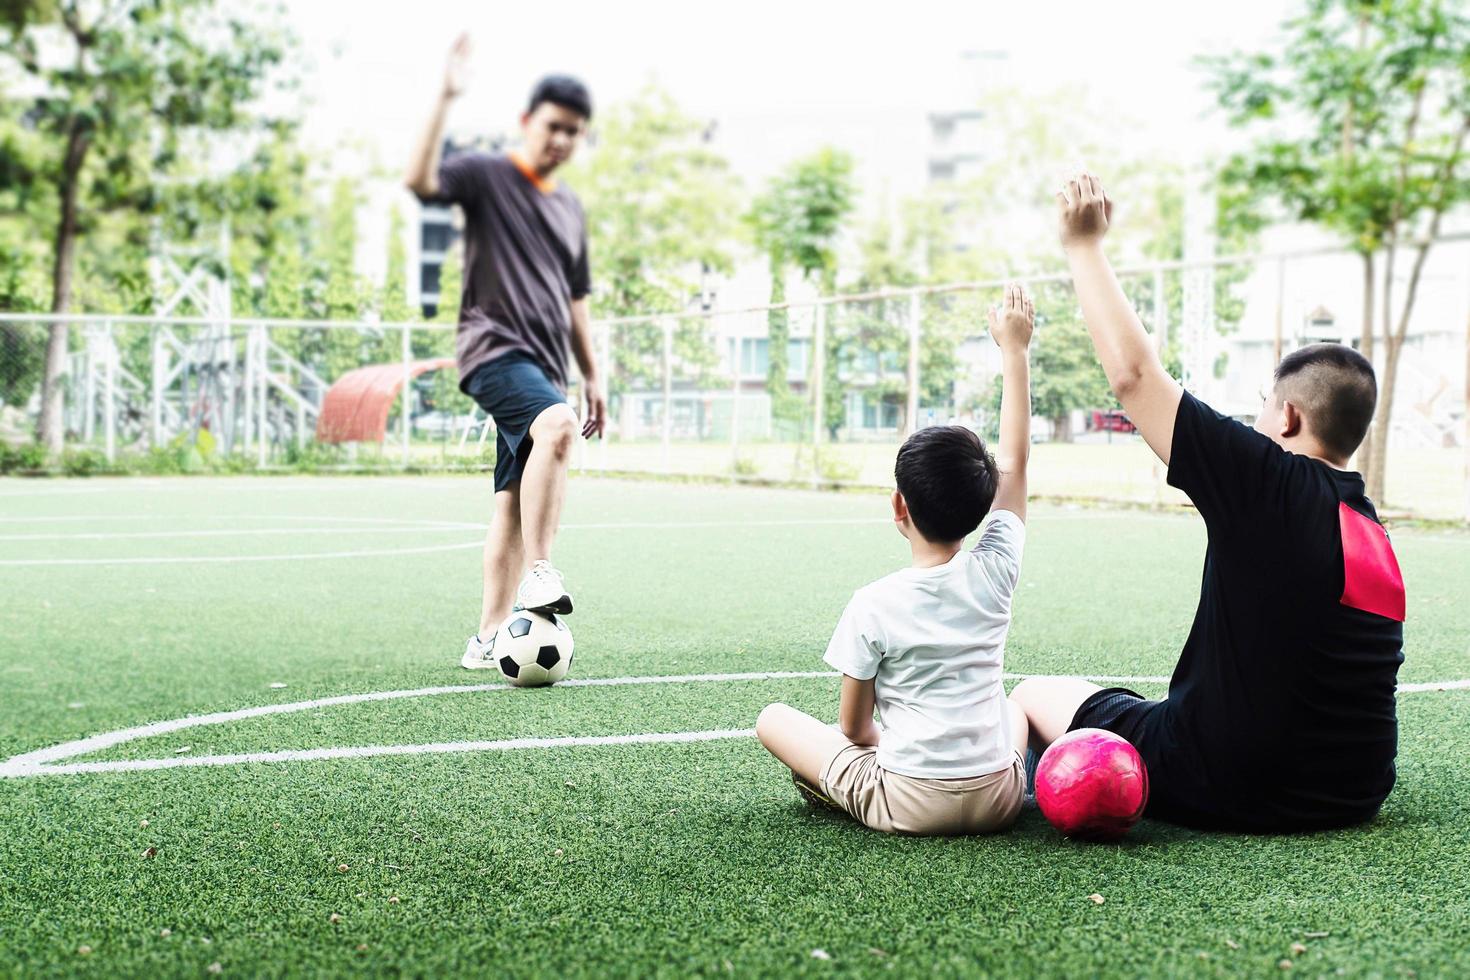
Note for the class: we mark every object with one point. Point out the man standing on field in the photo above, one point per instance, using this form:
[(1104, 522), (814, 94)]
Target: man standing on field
[(524, 304)]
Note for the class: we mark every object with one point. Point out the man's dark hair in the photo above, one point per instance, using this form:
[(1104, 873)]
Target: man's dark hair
[(562, 90), (1336, 390), (947, 479)]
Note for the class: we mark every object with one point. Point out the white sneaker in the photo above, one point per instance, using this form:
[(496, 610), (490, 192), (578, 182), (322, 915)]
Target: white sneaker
[(478, 653), (543, 589)]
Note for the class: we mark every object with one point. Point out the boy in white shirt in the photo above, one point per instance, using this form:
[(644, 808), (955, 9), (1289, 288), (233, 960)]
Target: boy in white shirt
[(926, 644)]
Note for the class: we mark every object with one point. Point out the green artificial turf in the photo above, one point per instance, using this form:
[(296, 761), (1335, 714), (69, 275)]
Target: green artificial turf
[(631, 860)]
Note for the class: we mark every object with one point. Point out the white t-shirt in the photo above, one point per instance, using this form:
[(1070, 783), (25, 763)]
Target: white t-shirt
[(934, 639)]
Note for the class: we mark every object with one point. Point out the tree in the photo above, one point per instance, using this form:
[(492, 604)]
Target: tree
[(126, 89), (659, 205), (1360, 122), (797, 221), (393, 302)]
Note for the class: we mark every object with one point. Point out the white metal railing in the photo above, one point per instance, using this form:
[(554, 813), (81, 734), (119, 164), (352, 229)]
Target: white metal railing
[(260, 396)]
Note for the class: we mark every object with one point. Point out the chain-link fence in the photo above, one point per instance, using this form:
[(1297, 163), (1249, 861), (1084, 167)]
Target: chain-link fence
[(816, 392)]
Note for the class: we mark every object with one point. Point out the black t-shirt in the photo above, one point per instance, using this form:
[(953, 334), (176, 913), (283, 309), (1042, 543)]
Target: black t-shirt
[(525, 261), (1281, 711)]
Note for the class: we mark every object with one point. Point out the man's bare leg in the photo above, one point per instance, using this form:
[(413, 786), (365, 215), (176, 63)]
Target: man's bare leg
[(505, 560), (1050, 703), (544, 480), (802, 742)]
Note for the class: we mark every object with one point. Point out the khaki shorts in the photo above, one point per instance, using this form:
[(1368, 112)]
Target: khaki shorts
[(898, 804)]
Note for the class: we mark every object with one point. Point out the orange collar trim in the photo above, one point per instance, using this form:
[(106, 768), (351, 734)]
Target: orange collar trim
[(543, 184)]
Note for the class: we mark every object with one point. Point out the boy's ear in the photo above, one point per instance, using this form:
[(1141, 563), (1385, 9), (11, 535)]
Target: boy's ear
[(1292, 421), (900, 508)]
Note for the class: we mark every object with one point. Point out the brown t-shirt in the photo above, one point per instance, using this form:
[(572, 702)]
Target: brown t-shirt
[(525, 261)]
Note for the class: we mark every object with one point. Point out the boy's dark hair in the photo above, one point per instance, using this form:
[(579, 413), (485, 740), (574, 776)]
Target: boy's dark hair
[(565, 91), (948, 480), (1336, 390)]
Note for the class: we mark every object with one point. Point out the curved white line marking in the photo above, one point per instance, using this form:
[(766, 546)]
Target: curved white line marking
[(44, 762)]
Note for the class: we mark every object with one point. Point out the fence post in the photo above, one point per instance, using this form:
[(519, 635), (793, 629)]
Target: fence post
[(262, 381), (405, 351), (155, 401), (668, 391), (737, 366), (1161, 340), (1161, 312), (607, 388), (912, 409), (1280, 308), (89, 386), (109, 416), (819, 371), (247, 421)]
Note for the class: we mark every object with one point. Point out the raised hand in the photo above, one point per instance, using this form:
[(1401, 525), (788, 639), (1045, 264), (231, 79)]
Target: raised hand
[(1084, 211), (457, 68), (1013, 319)]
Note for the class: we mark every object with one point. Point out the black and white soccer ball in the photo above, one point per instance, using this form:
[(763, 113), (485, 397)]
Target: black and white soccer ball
[(532, 649)]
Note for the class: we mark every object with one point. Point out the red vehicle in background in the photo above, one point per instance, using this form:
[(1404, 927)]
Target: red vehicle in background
[(1115, 420)]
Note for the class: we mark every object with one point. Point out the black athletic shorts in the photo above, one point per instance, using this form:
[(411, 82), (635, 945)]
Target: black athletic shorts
[(513, 389), (1117, 710)]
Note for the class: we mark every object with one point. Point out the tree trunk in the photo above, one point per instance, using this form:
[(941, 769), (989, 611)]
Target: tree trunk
[(1365, 347), (52, 429), (1377, 469), (1061, 427), (1393, 341)]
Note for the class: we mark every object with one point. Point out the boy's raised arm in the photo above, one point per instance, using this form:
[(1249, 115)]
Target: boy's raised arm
[(1010, 326), (1148, 394)]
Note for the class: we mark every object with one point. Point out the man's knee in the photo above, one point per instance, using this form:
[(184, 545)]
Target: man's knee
[(555, 431)]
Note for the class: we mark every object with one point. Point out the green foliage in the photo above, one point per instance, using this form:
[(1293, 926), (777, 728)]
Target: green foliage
[(1065, 373), (1359, 118), (797, 221), (1359, 125), (451, 282), (659, 208), (393, 299)]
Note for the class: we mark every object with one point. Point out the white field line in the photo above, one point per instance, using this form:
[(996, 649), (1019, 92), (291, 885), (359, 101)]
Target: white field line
[(52, 492), (320, 518), (43, 762), (378, 552), (368, 751), (243, 532), (237, 559)]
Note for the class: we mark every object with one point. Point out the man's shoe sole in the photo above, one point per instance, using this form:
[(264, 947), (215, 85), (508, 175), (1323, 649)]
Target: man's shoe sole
[(561, 607)]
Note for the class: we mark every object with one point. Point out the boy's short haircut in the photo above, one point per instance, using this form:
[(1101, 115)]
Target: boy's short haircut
[(562, 90), (1334, 387), (947, 479)]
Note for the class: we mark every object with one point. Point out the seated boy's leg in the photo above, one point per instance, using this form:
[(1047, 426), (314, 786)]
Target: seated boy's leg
[(1050, 704), (1020, 727), (805, 744)]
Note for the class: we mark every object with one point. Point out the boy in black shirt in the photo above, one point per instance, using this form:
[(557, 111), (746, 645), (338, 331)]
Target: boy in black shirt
[(1280, 714)]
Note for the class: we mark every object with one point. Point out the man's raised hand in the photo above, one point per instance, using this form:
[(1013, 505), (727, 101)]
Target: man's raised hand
[(1084, 211), (457, 68)]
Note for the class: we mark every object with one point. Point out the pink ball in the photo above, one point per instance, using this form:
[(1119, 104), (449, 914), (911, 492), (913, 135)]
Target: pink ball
[(1092, 785)]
